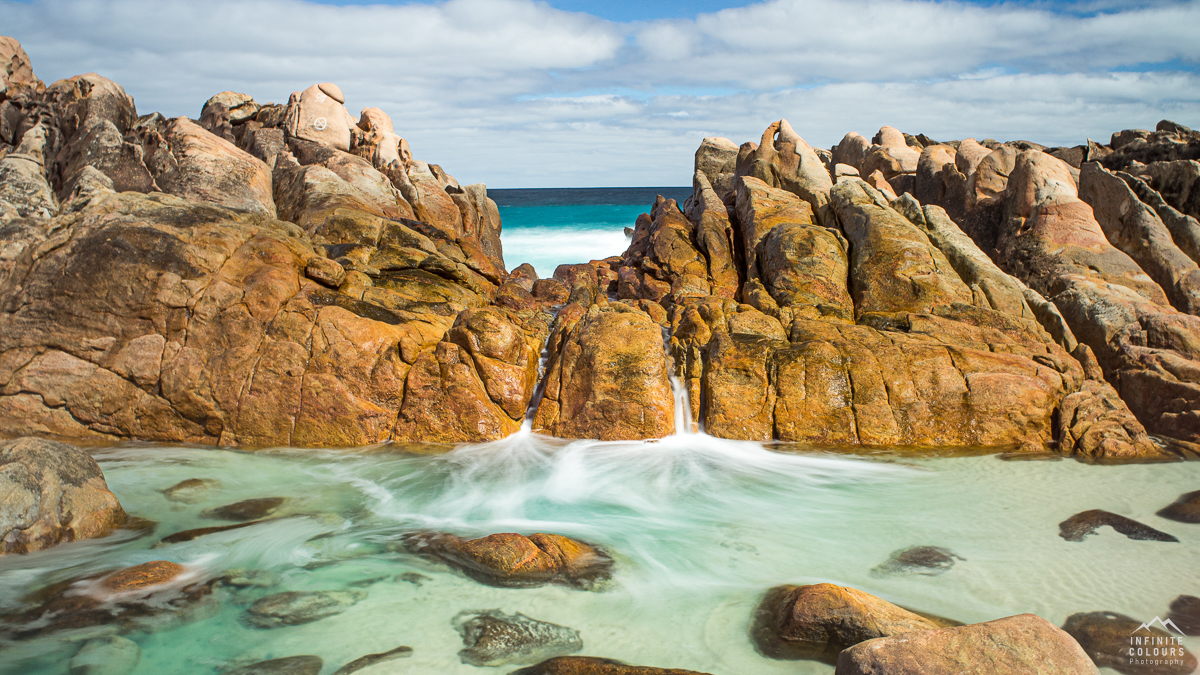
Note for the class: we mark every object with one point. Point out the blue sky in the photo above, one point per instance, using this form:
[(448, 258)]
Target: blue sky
[(523, 93)]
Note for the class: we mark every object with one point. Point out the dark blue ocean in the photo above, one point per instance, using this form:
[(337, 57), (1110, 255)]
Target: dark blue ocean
[(546, 227)]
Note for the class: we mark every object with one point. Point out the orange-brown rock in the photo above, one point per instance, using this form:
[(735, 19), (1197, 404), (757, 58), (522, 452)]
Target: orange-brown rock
[(714, 234), (817, 622), (517, 561), (890, 155), (784, 160), (609, 379), (589, 665), (1025, 643), (317, 114), (210, 169), (142, 577), (52, 493)]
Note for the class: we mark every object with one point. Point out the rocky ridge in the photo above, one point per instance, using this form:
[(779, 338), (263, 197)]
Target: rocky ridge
[(287, 274)]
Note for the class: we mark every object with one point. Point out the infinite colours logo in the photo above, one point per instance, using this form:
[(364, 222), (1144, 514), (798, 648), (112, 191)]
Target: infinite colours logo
[(1148, 649)]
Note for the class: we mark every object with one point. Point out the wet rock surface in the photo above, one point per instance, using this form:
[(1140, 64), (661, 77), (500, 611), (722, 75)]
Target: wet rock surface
[(587, 665), (190, 491), (1017, 644), (293, 608), (373, 659), (1085, 523), (493, 638), (817, 622), (51, 492), (196, 533), (1186, 509), (1185, 614), (926, 560), (152, 596), (514, 560), (1112, 641)]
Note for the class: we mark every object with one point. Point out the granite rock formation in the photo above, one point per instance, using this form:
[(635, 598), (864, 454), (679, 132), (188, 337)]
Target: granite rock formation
[(289, 274)]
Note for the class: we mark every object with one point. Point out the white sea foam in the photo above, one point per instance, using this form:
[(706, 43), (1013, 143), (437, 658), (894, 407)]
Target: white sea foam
[(547, 248)]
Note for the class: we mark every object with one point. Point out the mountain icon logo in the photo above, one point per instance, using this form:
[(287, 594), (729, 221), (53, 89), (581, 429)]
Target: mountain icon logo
[(1166, 625)]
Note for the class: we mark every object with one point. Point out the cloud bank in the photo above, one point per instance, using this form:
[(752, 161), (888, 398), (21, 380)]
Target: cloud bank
[(516, 93)]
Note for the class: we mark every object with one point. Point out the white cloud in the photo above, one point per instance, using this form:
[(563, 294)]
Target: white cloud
[(515, 93)]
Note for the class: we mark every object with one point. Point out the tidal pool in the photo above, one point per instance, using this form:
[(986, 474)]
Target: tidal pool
[(699, 528)]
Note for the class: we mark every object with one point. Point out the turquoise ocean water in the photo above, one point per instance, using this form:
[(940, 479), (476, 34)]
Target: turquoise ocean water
[(549, 227)]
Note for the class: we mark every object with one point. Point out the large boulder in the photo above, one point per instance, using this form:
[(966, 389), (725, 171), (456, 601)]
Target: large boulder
[(210, 169), (15, 68), (1017, 644), (784, 160), (50, 493), (317, 114), (609, 379), (817, 622)]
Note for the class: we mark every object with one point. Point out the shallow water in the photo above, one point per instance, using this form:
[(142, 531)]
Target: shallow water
[(699, 528)]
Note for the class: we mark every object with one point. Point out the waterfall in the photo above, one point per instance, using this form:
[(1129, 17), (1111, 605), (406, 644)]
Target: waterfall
[(683, 406), (540, 389)]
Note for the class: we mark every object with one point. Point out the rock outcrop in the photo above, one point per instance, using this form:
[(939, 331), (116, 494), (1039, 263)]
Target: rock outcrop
[(52, 493), (292, 275)]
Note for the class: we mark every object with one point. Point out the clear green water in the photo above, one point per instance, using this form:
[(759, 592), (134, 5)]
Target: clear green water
[(699, 527)]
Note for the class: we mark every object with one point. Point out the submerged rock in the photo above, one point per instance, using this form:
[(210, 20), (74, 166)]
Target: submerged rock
[(1186, 509), (589, 665), (52, 493), (293, 608), (372, 659), (189, 535), (1084, 523), (246, 578), (151, 596), (1112, 641), (248, 509), (1017, 644), (927, 560), (517, 561), (817, 622), (288, 665), (493, 638), (1185, 614), (191, 490), (106, 656)]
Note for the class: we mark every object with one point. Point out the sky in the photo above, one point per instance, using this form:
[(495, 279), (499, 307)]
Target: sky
[(573, 93)]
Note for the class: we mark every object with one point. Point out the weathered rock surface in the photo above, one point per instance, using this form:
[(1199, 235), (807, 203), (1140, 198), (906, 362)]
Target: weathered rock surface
[(1084, 523), (1185, 614), (50, 493), (493, 638), (1120, 642), (1186, 509), (1017, 644), (516, 561), (588, 665), (817, 622), (293, 608)]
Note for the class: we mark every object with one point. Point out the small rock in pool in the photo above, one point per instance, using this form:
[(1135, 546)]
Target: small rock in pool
[(1082, 524), (415, 578), (240, 578), (289, 665), (1106, 637), (191, 490), (363, 583), (293, 608), (589, 665), (142, 576), (188, 535), (927, 560), (247, 509), (1186, 509), (1185, 614), (493, 638), (106, 656), (372, 659), (512, 560)]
